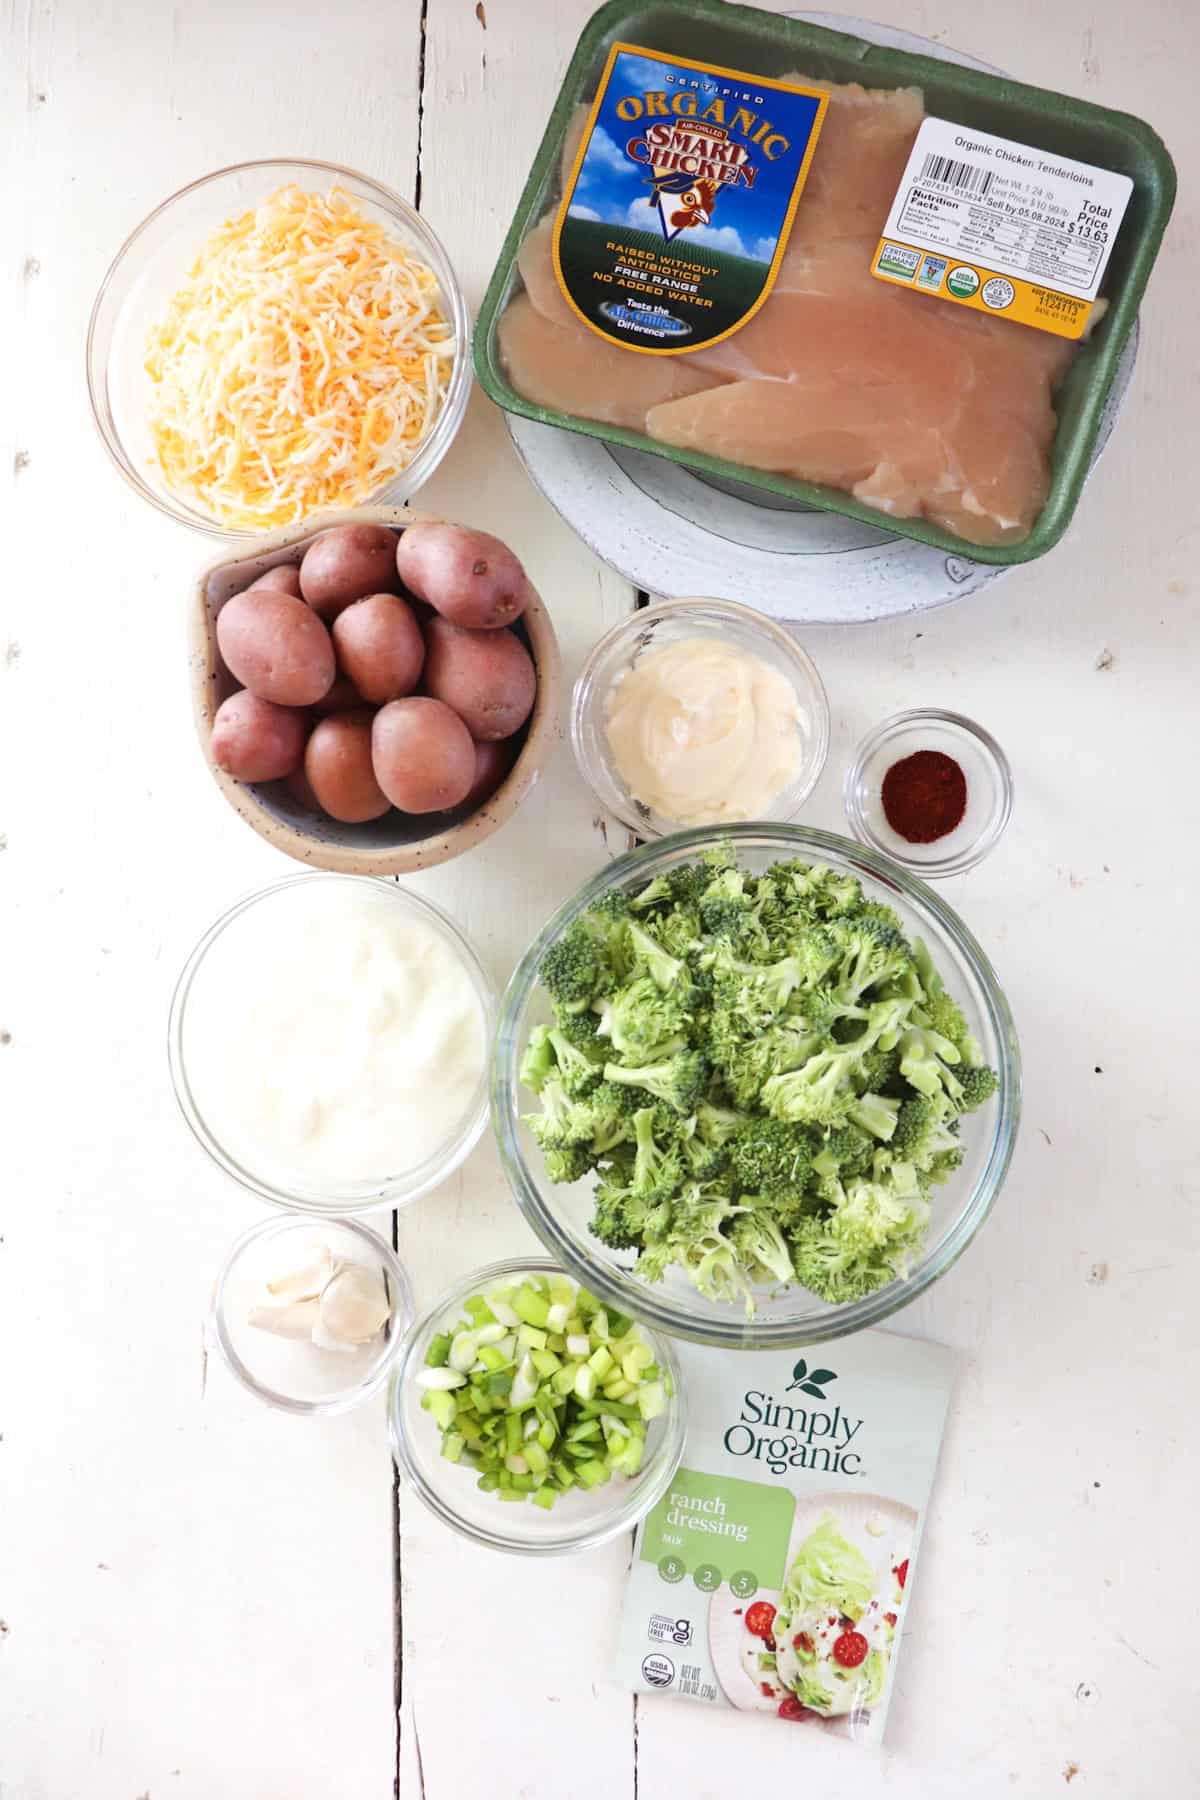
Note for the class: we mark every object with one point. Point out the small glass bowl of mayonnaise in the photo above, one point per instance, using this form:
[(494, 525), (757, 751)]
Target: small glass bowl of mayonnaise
[(699, 712), (329, 1042)]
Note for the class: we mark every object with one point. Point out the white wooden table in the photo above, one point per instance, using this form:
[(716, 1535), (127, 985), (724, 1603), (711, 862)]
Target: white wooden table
[(201, 1598)]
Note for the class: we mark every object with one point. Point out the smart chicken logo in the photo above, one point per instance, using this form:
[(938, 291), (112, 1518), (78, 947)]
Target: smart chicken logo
[(689, 163)]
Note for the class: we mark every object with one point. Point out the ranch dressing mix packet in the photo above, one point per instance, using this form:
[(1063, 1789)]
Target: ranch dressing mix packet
[(775, 1573)]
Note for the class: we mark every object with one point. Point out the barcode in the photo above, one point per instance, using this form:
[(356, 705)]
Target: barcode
[(957, 174)]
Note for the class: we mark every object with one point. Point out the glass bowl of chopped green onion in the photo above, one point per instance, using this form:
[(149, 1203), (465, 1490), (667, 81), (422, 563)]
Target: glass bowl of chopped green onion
[(533, 1416), (756, 1086)]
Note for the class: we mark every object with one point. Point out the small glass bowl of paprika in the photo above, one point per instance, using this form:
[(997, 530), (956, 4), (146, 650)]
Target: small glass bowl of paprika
[(930, 789)]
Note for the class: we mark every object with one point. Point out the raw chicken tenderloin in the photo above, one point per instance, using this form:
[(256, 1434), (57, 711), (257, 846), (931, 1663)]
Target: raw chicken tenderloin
[(569, 368)]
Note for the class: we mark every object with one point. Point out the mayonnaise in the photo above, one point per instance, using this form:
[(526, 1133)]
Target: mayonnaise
[(703, 733), (332, 1036)]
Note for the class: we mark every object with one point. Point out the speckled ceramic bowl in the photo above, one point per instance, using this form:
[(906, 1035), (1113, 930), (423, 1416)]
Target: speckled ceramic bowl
[(398, 843)]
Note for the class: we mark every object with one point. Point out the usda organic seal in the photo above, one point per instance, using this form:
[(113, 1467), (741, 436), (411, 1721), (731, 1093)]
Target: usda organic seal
[(658, 1671), (962, 282)]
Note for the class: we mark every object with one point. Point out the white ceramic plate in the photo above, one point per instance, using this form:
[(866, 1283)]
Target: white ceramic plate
[(674, 533), (727, 1633)]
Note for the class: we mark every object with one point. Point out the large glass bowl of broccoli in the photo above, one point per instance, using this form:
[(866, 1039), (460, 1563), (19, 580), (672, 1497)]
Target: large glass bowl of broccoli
[(756, 1085)]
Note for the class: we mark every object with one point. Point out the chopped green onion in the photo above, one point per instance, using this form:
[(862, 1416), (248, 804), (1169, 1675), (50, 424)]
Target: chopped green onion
[(541, 1388)]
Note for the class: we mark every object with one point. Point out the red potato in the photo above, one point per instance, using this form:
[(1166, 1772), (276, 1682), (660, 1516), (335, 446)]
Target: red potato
[(469, 576), (254, 740), (492, 764), (487, 677), (274, 645), (423, 755), (284, 576), (379, 647), (344, 564), (337, 763), (343, 696), (300, 788)]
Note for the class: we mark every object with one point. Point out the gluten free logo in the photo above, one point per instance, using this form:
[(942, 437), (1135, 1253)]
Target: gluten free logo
[(810, 1381)]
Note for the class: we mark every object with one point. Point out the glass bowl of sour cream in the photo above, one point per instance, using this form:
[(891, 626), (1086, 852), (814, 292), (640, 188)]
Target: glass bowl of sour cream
[(697, 713), (329, 1040)]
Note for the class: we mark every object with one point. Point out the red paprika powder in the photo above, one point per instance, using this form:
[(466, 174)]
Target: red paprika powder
[(924, 796)]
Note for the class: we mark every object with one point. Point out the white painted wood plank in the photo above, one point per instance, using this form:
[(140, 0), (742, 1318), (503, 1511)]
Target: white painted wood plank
[(197, 1593), (493, 1698), (1035, 1648)]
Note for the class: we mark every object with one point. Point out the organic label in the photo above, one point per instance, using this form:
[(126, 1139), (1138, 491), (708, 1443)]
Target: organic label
[(1002, 227), (677, 211), (773, 1575)]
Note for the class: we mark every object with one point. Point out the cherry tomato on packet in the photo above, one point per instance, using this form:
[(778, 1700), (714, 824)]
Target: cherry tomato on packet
[(902, 1572), (760, 1618), (850, 1649), (792, 1709)]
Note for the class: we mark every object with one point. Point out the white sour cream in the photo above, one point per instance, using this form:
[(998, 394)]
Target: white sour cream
[(703, 733), (332, 1036)]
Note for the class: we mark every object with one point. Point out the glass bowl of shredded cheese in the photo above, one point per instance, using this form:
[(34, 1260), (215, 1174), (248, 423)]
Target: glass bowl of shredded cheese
[(276, 340)]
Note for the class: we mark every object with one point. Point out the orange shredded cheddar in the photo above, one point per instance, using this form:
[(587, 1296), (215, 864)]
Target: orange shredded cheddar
[(301, 365)]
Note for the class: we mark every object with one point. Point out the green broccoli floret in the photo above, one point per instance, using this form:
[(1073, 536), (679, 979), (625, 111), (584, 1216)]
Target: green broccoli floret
[(978, 1084), (771, 1158), (747, 1064), (723, 905), (563, 1123), (829, 1270), (703, 1162), (755, 991), (871, 954), (641, 1020), (538, 1063), (657, 1168), (568, 1165), (575, 969), (761, 1247), (580, 1028), (611, 1109), (817, 1093), (875, 1113), (874, 1216), (717, 1124), (845, 1150), (624, 1219), (827, 893), (668, 972), (925, 1060), (921, 1132), (822, 1090), (678, 1081), (578, 1071)]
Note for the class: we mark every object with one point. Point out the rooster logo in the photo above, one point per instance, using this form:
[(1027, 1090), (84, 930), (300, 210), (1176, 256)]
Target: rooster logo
[(682, 201)]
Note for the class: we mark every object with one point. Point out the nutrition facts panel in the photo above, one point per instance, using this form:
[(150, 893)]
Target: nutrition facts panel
[(1001, 226), (1020, 227)]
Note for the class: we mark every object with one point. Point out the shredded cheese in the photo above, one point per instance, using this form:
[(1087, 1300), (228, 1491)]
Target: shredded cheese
[(301, 365)]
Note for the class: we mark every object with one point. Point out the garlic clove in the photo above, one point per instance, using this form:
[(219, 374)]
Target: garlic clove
[(295, 1321), (306, 1280), (325, 1341), (354, 1305)]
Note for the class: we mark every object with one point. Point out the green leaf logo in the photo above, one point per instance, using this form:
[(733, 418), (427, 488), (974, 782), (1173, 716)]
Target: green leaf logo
[(810, 1381)]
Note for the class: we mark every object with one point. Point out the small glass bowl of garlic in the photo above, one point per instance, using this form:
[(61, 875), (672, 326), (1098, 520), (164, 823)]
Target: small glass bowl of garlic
[(310, 1317)]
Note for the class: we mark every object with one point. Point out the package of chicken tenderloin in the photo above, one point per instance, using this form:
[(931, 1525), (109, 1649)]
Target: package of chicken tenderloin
[(775, 1574), (874, 280)]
